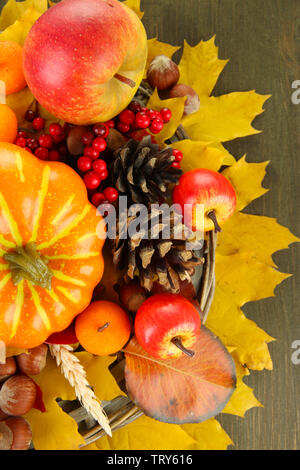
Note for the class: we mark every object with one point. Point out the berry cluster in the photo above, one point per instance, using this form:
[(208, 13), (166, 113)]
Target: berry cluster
[(137, 117), (45, 146), (93, 166), (178, 157)]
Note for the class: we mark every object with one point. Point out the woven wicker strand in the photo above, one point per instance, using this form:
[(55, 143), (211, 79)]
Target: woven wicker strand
[(207, 288), (117, 420)]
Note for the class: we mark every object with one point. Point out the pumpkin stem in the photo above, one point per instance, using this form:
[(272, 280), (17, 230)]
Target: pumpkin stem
[(27, 263)]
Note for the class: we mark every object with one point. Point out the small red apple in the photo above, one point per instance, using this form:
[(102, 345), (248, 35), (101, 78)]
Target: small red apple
[(167, 326), (210, 196), (84, 59)]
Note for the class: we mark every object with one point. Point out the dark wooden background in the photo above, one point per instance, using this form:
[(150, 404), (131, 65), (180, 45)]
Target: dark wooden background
[(262, 39)]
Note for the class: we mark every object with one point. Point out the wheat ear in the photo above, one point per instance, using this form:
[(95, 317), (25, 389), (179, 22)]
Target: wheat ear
[(76, 375)]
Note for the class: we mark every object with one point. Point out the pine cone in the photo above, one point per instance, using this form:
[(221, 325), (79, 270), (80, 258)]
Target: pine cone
[(154, 250), (143, 172)]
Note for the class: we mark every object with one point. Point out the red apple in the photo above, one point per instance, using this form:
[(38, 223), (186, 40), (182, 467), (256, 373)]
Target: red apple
[(84, 59), (167, 326), (209, 195)]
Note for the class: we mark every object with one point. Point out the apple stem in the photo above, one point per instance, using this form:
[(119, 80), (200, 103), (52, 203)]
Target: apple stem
[(177, 341), (212, 216), (103, 327), (125, 80), (37, 108)]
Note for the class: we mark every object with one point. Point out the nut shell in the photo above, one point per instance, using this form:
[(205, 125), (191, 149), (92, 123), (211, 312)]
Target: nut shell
[(22, 434), (74, 143), (6, 436), (34, 361), (3, 415), (192, 102), (162, 73), (7, 369), (132, 295), (17, 395)]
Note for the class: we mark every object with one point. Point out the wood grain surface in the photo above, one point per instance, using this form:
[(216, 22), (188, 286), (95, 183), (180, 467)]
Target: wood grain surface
[(262, 40)]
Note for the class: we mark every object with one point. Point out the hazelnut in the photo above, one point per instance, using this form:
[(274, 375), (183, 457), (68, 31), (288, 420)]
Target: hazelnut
[(15, 434), (192, 103), (34, 361), (74, 143), (131, 295), (115, 139), (6, 436), (7, 369), (162, 73), (17, 395), (3, 415)]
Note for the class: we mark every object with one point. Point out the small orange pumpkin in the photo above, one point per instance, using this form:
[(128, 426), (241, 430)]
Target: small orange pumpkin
[(50, 247)]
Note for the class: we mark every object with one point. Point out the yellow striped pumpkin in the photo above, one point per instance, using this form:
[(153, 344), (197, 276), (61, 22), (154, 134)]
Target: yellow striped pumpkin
[(50, 248)]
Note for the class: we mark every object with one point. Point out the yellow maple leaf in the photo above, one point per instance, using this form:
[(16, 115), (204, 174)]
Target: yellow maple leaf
[(208, 435), (145, 434), (16, 20), (229, 323), (270, 236), (197, 154), (19, 30), (225, 117), (243, 398), (54, 429), (246, 244), (230, 159), (13, 10), (176, 105), (102, 381), (246, 179), (135, 5), (200, 66)]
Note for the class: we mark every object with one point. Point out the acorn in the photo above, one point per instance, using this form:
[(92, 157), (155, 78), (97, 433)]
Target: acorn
[(162, 73), (7, 369), (34, 361), (17, 395), (192, 102), (15, 434)]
